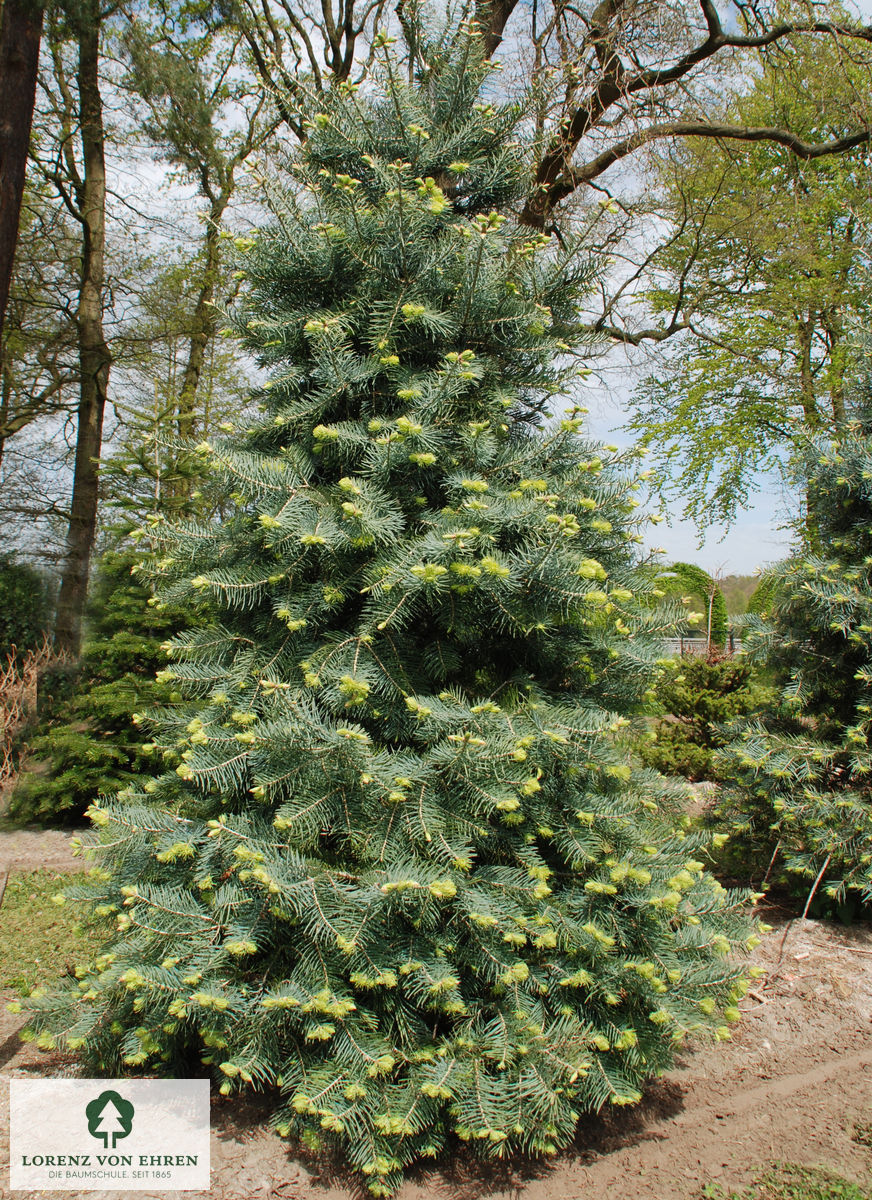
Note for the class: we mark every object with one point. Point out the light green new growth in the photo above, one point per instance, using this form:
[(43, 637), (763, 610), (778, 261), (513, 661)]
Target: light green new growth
[(766, 276)]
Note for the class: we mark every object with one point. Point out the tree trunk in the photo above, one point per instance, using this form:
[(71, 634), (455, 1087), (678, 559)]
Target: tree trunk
[(837, 374), (805, 334), (202, 322), (5, 394), (94, 357), (20, 34), (20, 30)]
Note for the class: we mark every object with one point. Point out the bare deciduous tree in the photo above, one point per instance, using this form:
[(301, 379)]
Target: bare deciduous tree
[(296, 47), (79, 174), (632, 72)]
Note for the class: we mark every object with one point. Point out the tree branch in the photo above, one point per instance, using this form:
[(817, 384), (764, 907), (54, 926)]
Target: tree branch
[(555, 178), (492, 17), (741, 133), (630, 338)]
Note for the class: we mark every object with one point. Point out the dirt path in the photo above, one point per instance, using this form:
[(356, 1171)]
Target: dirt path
[(794, 1085), (33, 849)]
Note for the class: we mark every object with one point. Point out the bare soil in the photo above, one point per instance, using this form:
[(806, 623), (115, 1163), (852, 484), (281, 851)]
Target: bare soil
[(37, 849)]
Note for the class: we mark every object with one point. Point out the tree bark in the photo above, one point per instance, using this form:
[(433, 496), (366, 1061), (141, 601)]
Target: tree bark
[(632, 87), (5, 393), (492, 17), (94, 357), (805, 334), (202, 322), (20, 34)]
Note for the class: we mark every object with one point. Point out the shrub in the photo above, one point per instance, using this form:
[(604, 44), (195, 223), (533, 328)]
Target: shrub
[(763, 595), (696, 698), (85, 743), (715, 621), (25, 606), (19, 679)]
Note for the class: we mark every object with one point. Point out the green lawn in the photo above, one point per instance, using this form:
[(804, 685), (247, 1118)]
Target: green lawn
[(787, 1182), (38, 939)]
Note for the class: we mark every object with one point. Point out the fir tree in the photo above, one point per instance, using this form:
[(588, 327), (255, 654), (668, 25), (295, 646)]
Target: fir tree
[(803, 769), (699, 696), (402, 872), (85, 742)]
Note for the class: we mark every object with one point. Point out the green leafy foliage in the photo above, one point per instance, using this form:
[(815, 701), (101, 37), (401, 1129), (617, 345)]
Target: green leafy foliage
[(737, 590), (763, 595), (697, 696), (152, 466), (401, 871), (767, 267), (85, 743), (804, 767), (714, 621), (25, 606)]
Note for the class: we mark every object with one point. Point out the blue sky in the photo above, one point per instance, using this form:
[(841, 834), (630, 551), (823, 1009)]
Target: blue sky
[(752, 542), (754, 539)]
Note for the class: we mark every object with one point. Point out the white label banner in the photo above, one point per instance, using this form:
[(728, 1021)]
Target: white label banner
[(130, 1135)]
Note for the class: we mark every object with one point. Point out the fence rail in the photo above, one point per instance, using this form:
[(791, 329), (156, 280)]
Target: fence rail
[(700, 646)]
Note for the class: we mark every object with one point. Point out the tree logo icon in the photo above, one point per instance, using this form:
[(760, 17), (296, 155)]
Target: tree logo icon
[(109, 1116)]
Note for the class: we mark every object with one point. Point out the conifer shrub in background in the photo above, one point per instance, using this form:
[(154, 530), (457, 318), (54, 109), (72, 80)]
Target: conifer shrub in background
[(803, 768), (697, 696), (402, 874), (25, 606), (84, 742)]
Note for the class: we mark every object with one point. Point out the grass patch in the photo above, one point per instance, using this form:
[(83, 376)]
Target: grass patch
[(787, 1182), (39, 938)]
